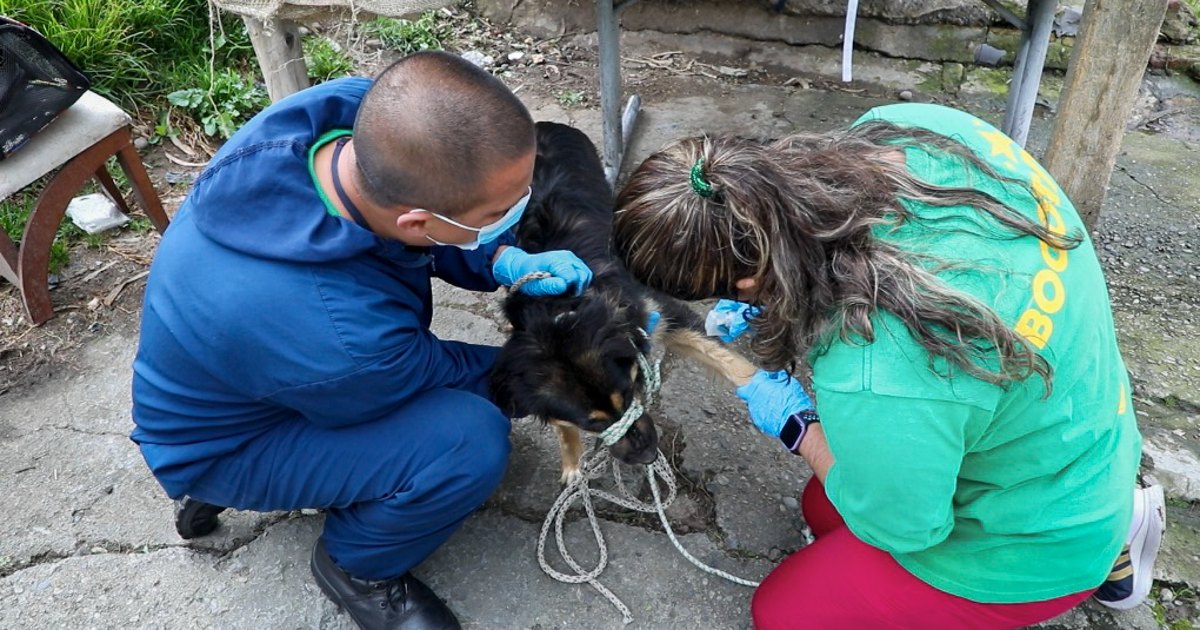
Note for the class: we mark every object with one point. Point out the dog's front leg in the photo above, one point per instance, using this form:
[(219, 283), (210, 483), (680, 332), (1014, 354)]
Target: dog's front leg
[(570, 446)]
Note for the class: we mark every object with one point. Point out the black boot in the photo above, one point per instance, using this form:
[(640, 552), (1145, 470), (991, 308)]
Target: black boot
[(403, 602), (195, 518)]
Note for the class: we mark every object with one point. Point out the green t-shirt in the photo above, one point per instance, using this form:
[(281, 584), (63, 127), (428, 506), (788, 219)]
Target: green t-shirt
[(992, 495)]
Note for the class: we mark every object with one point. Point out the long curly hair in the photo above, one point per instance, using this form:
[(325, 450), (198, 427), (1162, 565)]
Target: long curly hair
[(799, 215)]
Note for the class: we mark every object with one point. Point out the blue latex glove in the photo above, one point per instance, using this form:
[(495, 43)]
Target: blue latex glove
[(729, 319), (772, 397), (652, 321), (568, 271)]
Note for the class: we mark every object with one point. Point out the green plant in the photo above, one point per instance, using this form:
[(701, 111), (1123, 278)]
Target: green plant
[(571, 98), (409, 36), (139, 225), (14, 212), (132, 49), (325, 60), (223, 103)]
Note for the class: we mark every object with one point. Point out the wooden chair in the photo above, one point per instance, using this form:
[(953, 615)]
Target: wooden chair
[(80, 141)]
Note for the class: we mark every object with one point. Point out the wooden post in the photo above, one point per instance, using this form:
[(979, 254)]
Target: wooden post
[(1111, 51), (280, 56)]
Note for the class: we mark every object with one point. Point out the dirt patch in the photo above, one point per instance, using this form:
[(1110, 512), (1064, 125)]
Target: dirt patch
[(98, 293)]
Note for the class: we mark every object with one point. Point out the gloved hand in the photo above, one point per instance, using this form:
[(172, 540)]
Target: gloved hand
[(771, 398), (729, 319), (568, 272), (652, 321)]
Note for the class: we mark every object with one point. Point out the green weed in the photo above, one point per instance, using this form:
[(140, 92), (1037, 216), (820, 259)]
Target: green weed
[(325, 60), (14, 212), (139, 225), (409, 36), (571, 98), (223, 101)]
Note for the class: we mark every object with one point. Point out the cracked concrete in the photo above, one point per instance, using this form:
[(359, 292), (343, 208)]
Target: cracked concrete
[(90, 542)]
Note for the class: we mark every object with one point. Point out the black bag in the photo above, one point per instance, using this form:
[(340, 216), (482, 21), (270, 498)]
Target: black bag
[(37, 83)]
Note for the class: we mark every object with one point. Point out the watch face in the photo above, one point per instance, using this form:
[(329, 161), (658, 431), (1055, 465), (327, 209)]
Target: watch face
[(793, 431)]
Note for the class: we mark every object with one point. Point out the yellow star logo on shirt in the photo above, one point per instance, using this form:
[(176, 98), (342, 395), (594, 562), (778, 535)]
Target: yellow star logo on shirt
[(1000, 143)]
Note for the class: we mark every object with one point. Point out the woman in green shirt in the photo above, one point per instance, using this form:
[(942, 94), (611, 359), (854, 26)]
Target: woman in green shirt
[(973, 440)]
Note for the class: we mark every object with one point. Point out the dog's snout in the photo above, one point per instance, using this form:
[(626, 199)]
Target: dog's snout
[(640, 443)]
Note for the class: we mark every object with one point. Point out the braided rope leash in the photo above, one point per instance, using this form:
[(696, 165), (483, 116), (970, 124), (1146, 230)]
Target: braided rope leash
[(529, 277), (593, 468)]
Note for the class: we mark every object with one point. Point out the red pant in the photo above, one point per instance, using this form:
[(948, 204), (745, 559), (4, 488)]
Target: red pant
[(840, 582)]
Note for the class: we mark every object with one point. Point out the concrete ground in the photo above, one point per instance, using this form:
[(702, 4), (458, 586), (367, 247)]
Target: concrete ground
[(88, 539)]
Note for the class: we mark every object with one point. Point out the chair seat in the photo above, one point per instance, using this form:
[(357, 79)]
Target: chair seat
[(85, 123)]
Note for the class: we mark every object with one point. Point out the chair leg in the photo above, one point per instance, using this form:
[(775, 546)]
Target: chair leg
[(110, 187), (143, 189), (8, 259), (33, 267), (33, 257)]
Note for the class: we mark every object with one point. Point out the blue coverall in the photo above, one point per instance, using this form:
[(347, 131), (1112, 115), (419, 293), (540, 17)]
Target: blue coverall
[(286, 361)]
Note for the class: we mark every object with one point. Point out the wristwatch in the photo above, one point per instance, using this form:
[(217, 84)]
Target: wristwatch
[(795, 427)]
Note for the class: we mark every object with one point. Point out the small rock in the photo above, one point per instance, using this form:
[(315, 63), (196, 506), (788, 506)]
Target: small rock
[(722, 480), (791, 503), (516, 56), (537, 59), (906, 95), (1166, 595), (140, 144), (175, 177), (93, 304), (98, 549), (478, 58)]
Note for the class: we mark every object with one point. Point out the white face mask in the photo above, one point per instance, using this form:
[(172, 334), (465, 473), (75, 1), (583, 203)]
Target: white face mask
[(487, 233)]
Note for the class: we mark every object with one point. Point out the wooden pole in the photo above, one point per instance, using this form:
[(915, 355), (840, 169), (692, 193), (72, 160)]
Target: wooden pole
[(277, 47), (1111, 51)]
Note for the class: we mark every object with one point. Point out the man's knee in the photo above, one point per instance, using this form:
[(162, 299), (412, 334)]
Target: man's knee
[(476, 446), (487, 460)]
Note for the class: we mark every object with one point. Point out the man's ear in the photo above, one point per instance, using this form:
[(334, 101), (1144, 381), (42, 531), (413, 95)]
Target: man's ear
[(412, 224)]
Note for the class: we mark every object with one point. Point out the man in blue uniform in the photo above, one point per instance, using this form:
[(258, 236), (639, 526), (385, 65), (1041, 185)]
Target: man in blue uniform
[(286, 360)]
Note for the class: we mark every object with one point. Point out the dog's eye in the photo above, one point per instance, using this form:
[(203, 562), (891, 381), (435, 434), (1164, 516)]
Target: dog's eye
[(596, 421)]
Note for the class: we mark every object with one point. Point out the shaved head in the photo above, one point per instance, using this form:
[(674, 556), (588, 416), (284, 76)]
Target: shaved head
[(432, 128)]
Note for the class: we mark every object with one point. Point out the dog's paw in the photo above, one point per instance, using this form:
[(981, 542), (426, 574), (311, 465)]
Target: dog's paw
[(571, 475)]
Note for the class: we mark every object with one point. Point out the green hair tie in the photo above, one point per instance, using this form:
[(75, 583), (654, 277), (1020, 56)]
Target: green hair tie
[(700, 186)]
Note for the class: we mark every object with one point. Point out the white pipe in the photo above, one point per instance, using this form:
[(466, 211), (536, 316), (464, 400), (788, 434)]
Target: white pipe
[(848, 39)]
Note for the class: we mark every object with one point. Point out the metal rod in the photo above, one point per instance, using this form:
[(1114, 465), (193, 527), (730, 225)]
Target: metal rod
[(1009, 16), (610, 86), (1028, 72)]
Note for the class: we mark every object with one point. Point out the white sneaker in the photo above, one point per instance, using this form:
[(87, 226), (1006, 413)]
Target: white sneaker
[(1133, 573)]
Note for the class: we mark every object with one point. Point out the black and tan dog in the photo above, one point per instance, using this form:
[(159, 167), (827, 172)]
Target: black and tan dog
[(572, 361)]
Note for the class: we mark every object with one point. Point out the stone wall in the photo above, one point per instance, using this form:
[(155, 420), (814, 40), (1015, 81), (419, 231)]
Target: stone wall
[(938, 31)]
